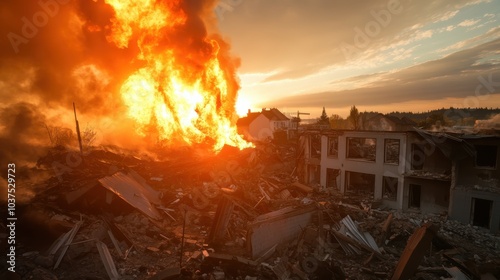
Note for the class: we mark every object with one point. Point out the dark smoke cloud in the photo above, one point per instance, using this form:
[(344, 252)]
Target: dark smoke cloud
[(22, 134), (51, 39)]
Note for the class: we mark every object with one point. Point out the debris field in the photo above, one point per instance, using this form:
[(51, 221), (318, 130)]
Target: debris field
[(188, 214)]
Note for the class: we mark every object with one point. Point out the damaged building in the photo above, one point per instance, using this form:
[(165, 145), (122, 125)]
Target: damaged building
[(422, 171), (475, 187)]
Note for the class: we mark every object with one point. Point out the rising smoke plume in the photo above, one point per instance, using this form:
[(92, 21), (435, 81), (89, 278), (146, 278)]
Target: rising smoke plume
[(491, 123)]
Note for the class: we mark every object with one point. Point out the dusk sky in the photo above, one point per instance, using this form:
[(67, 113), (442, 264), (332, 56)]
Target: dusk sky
[(379, 55)]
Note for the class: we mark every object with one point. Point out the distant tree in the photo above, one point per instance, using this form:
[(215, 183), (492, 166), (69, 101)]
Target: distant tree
[(435, 120), (324, 120), (337, 121), (354, 118)]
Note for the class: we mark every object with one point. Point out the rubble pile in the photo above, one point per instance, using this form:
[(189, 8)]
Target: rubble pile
[(234, 215)]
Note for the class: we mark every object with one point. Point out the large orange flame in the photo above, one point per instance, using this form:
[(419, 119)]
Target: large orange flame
[(183, 89)]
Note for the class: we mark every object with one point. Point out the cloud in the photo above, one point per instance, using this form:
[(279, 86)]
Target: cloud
[(450, 27), (491, 34), (456, 75), (468, 23), (448, 15), (301, 38)]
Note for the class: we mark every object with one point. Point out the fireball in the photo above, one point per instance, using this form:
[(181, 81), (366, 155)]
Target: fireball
[(186, 87)]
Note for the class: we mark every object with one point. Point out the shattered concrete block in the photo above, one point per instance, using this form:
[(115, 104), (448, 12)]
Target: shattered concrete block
[(219, 275)]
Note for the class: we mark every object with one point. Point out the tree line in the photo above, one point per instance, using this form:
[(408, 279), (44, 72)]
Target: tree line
[(432, 118)]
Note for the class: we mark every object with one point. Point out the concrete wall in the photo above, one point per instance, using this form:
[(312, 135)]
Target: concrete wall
[(468, 174), (454, 196), (378, 168), (308, 166), (433, 159), (472, 182), (461, 208), (434, 195)]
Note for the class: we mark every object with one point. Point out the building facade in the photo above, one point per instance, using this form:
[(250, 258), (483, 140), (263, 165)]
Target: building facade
[(426, 172), (476, 189), (263, 125)]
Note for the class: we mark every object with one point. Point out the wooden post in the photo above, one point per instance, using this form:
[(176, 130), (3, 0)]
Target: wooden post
[(78, 130)]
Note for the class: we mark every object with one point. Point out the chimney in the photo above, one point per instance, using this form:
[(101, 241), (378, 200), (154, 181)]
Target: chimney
[(248, 112)]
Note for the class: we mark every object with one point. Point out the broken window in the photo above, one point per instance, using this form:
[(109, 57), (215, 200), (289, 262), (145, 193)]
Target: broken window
[(481, 212), (390, 188), (332, 178), (414, 200), (360, 182), (333, 146), (391, 151), (417, 157), (486, 156), (361, 148), (315, 146)]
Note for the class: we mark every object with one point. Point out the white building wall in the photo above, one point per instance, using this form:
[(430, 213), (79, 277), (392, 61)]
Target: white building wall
[(260, 128), (378, 168)]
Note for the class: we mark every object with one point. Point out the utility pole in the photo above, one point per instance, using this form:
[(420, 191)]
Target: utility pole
[(78, 130), (298, 119)]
